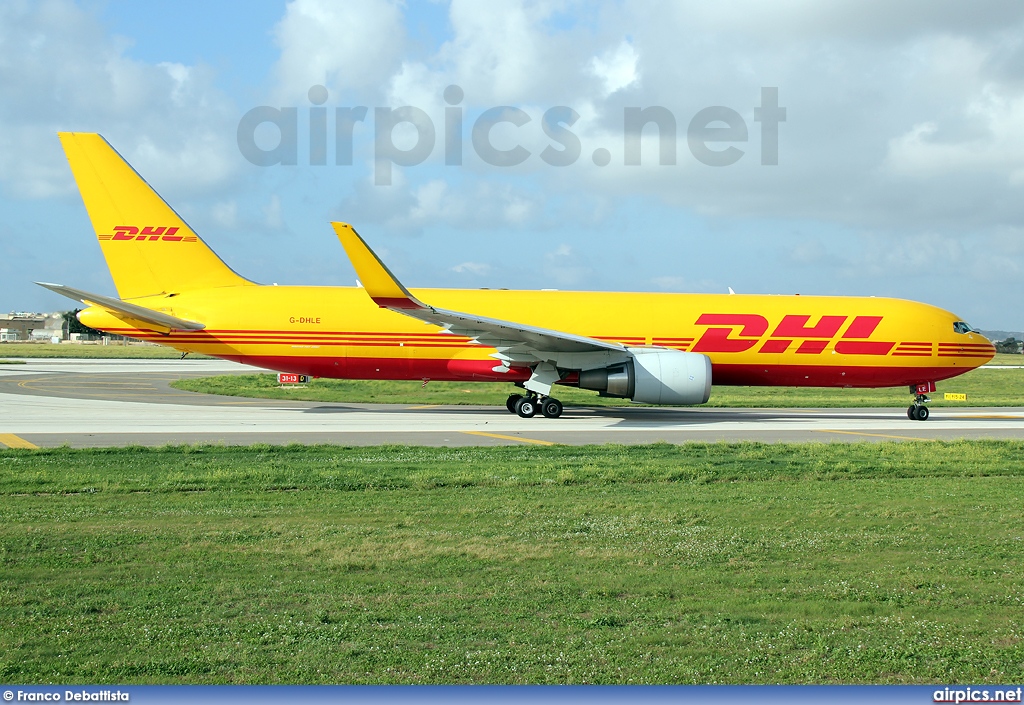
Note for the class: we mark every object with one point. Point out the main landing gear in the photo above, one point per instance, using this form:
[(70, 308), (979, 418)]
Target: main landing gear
[(918, 411), (528, 406)]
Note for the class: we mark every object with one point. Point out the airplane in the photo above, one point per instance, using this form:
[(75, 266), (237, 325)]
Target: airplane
[(653, 348)]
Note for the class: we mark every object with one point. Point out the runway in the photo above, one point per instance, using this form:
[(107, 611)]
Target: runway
[(94, 403)]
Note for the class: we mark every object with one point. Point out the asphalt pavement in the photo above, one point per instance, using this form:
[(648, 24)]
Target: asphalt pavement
[(90, 403)]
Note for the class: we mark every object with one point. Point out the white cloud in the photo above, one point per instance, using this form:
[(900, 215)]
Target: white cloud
[(408, 208), (924, 152), (432, 203), (890, 109), (342, 45), (880, 256), (272, 218), (564, 267), (415, 84), (616, 68), (786, 21), (245, 218), (59, 70), (477, 268), (669, 283), (506, 53), (225, 214), (808, 252), (517, 209)]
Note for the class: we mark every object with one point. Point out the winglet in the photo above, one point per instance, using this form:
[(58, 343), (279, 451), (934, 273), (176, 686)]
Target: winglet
[(382, 286)]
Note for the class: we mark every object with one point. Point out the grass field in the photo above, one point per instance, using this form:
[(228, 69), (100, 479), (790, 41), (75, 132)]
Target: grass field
[(112, 351), (984, 387), (651, 564)]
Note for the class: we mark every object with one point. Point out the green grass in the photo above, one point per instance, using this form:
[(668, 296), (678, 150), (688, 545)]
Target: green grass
[(650, 564), (114, 350), (1007, 359), (984, 387)]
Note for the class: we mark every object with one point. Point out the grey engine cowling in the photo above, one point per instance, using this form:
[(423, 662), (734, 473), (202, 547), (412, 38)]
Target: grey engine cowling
[(654, 376)]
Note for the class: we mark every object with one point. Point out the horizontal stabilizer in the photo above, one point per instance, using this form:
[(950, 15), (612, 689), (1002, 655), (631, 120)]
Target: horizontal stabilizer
[(130, 313)]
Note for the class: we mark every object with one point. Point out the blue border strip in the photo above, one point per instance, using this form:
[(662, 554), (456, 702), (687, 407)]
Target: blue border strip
[(534, 694)]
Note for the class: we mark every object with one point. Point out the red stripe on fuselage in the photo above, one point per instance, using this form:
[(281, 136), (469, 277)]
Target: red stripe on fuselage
[(443, 370), (482, 370)]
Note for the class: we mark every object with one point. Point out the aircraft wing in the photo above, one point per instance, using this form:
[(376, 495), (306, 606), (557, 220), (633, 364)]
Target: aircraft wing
[(514, 341), (138, 316)]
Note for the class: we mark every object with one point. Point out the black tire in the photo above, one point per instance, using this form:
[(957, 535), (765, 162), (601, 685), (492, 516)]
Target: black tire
[(922, 413), (912, 413), (526, 407), (510, 403), (551, 408)]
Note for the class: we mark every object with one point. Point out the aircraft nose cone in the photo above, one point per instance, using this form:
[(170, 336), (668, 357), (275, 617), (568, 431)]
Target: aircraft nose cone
[(983, 345)]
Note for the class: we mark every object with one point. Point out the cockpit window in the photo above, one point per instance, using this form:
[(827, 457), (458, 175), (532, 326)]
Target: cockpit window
[(961, 327)]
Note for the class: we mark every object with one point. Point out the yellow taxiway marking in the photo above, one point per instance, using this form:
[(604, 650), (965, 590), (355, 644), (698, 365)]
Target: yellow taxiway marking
[(873, 435), (427, 406), (510, 438), (12, 441)]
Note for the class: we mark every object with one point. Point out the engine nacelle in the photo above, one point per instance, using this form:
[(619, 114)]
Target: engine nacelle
[(654, 376)]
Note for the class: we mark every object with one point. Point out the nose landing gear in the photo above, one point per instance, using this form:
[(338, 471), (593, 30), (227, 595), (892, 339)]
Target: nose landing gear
[(528, 406), (918, 411)]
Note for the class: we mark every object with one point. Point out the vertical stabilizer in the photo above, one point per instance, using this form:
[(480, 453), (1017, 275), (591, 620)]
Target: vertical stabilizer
[(149, 249)]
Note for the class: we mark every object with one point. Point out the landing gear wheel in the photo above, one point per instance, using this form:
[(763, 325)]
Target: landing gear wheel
[(551, 408), (526, 407), (511, 402), (918, 411)]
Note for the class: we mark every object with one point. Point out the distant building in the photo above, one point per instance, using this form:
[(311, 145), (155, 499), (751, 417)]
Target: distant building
[(20, 326)]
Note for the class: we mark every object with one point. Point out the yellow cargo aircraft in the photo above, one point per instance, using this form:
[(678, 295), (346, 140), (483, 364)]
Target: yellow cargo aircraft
[(651, 348)]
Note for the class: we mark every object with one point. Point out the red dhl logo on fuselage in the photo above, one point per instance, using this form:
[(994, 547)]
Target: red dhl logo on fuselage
[(740, 332), (752, 327), (149, 233)]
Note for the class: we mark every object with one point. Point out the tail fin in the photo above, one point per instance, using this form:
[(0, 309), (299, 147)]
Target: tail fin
[(148, 247)]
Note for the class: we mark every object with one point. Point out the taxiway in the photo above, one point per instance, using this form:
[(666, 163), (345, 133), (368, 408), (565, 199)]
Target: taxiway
[(90, 403)]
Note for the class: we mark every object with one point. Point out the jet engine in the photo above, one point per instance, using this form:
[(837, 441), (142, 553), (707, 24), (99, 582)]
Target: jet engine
[(654, 376)]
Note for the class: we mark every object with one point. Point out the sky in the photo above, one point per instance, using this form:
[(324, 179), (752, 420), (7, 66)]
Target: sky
[(897, 169)]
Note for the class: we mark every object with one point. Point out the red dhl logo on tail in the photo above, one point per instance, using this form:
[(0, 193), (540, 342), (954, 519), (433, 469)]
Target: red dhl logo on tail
[(149, 233), (745, 330)]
